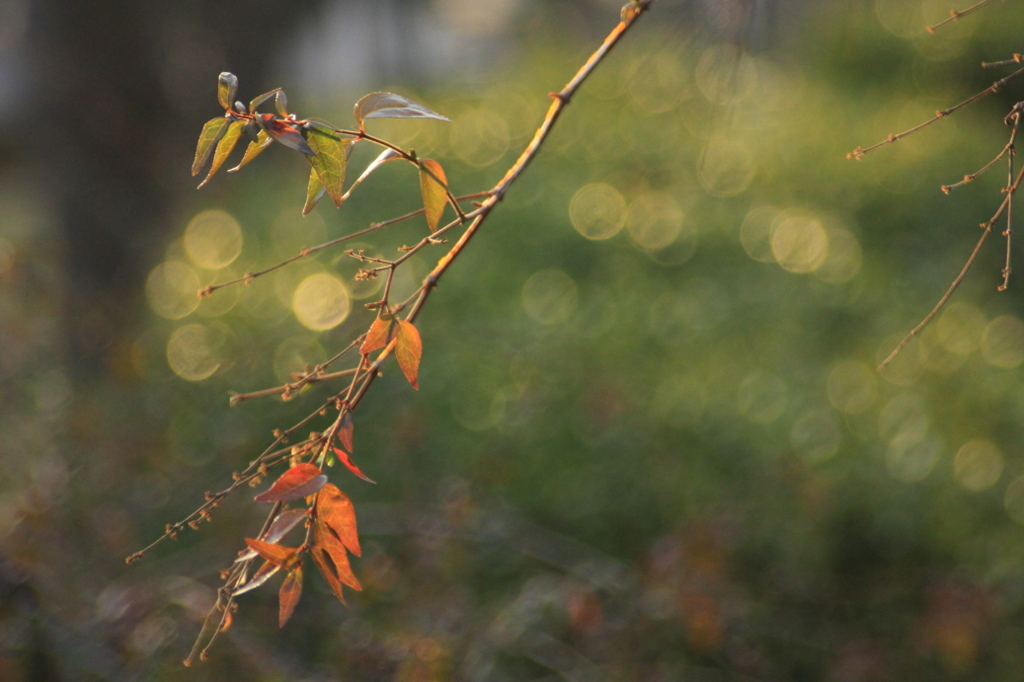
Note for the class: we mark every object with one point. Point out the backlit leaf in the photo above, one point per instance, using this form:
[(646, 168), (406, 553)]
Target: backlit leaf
[(285, 557), (227, 86), (315, 191), (267, 570), (256, 146), (291, 590), (326, 566), (434, 192), (285, 132), (298, 482), (330, 159), (345, 430), (213, 130), (332, 549), (385, 156), (389, 105), (224, 147), (281, 103), (335, 509), (408, 351), (261, 99), (344, 459), (381, 332), (281, 526)]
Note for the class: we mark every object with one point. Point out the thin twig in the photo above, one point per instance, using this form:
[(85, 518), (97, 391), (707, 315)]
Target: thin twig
[(859, 152), (987, 230), (954, 14)]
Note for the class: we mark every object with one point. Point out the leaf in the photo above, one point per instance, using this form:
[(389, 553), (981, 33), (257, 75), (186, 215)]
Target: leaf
[(282, 525), (380, 334), (284, 557), (344, 459), (330, 159), (345, 430), (261, 99), (213, 130), (267, 570), (227, 86), (335, 509), (331, 548), (291, 590), (315, 191), (261, 142), (281, 103), (408, 351), (326, 566), (385, 156), (388, 105), (435, 194), (224, 147), (285, 132), (298, 482)]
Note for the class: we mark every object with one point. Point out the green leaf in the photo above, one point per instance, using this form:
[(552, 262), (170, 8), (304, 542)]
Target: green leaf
[(227, 86), (389, 105), (224, 147), (329, 159), (435, 195), (212, 132), (315, 191), (261, 99), (261, 142)]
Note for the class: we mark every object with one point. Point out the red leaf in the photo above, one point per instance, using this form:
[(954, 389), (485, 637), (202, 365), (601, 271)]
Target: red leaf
[(408, 351), (291, 590), (298, 482), (326, 567), (335, 509), (285, 133), (345, 431), (344, 459), (284, 557), (381, 332)]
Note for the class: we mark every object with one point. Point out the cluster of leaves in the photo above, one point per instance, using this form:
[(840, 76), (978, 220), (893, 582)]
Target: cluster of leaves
[(326, 147)]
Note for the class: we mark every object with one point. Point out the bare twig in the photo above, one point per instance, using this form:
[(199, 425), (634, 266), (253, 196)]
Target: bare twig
[(955, 14)]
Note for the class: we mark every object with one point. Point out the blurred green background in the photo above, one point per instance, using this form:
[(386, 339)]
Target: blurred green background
[(650, 442)]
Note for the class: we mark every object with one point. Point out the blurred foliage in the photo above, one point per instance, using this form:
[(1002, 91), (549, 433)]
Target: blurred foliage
[(649, 443)]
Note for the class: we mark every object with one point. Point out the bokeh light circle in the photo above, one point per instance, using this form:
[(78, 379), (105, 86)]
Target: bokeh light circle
[(172, 289), (655, 220), (193, 352), (756, 233), (296, 354), (911, 458), (550, 297), (1002, 343), (816, 436), (852, 386), (1013, 500), (321, 301), (213, 239), (960, 328), (479, 137), (799, 243), (978, 465), (726, 167), (726, 74), (762, 397), (597, 211)]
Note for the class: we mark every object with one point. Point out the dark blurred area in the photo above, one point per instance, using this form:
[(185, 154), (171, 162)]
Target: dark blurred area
[(650, 442)]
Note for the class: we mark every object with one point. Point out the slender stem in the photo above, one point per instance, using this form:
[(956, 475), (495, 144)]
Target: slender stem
[(954, 14)]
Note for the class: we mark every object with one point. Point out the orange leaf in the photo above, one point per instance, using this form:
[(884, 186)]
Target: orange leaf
[(333, 551), (284, 557), (380, 333), (432, 186), (326, 567), (298, 482), (291, 590), (408, 351), (335, 509)]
